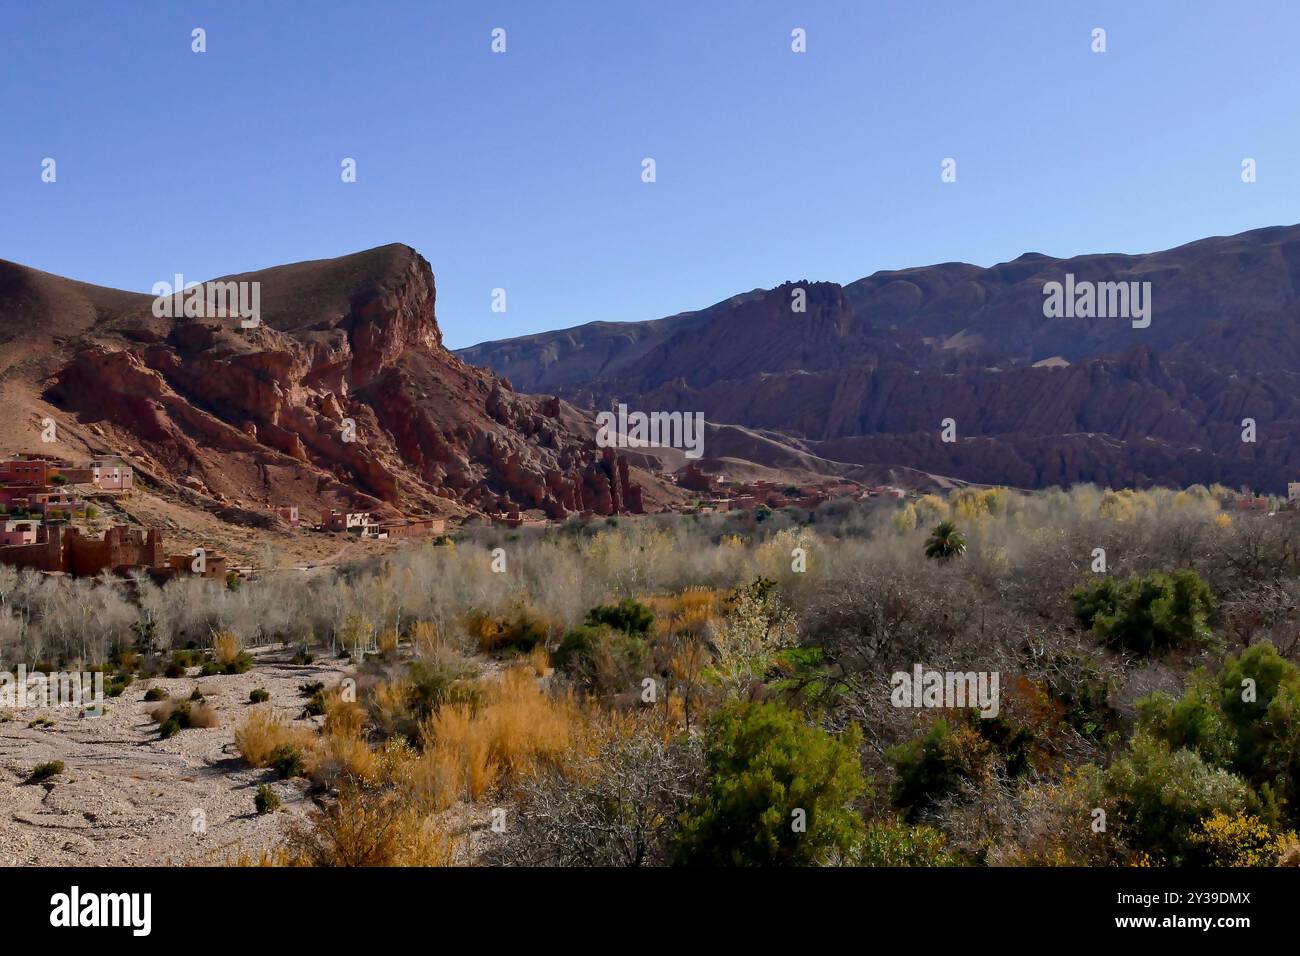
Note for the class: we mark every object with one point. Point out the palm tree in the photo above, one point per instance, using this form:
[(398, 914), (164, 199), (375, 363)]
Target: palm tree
[(945, 542)]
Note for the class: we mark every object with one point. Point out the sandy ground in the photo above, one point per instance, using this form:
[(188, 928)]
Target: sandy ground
[(128, 798)]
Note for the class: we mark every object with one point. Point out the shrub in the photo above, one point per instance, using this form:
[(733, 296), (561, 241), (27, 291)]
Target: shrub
[(265, 799), (970, 748), (898, 844), (155, 693), (1149, 614), (1162, 795), (43, 771), (767, 771), (627, 616), (1247, 721), (614, 801), (517, 726), (601, 660), (315, 705), (430, 685), (755, 629), (371, 826), (1237, 840), (225, 648), (173, 716), (259, 695), (263, 732), (201, 715), (520, 631), (287, 761)]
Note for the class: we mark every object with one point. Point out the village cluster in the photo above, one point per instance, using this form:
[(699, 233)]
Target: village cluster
[(718, 493), (47, 506)]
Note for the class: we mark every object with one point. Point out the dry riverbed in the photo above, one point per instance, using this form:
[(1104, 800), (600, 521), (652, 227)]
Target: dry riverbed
[(126, 797)]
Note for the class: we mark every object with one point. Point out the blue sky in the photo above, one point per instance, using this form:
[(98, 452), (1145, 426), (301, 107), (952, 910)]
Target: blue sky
[(523, 170)]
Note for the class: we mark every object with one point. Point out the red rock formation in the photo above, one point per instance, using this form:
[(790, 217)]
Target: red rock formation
[(347, 382)]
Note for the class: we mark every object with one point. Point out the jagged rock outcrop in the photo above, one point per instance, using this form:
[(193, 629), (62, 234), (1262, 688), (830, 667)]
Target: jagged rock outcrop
[(344, 388)]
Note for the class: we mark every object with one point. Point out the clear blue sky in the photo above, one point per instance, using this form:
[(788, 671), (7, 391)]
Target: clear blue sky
[(522, 170)]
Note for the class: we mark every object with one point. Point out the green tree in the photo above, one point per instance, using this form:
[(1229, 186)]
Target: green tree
[(780, 792), (1147, 614), (945, 542), (970, 748), (1245, 720), (1161, 797)]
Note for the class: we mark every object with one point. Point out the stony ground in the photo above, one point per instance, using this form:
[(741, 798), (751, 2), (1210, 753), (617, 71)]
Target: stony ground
[(126, 797)]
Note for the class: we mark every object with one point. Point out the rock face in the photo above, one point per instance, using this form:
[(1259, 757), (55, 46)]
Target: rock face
[(867, 372), (344, 392)]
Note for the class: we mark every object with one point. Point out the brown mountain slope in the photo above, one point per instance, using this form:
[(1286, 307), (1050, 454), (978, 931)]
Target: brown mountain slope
[(869, 371), (225, 414)]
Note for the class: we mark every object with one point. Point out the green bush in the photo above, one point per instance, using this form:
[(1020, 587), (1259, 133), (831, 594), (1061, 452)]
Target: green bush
[(1161, 796), (287, 761), (242, 663), (937, 763), (265, 799), (627, 616), (1149, 614), (1246, 720), (155, 693), (258, 695), (433, 685), (898, 844), (315, 706), (43, 771), (764, 765), (601, 660)]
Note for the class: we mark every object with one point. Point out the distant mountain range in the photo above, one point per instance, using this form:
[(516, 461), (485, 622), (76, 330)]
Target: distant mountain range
[(863, 377)]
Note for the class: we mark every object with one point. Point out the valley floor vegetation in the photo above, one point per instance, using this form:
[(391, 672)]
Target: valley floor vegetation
[(716, 689)]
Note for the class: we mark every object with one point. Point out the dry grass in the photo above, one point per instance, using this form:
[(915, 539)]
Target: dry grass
[(226, 647), (343, 718), (689, 612), (387, 703), (540, 661), (371, 827), (202, 715), (164, 710), (263, 731), (468, 751), (341, 753), (338, 758), (388, 642)]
